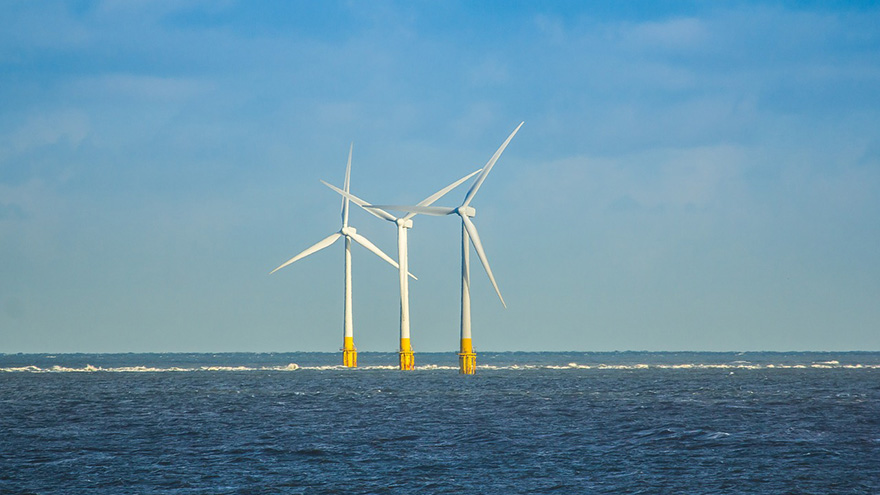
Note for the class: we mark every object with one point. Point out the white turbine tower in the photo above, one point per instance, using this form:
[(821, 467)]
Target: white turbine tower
[(467, 358), (349, 351), (407, 360)]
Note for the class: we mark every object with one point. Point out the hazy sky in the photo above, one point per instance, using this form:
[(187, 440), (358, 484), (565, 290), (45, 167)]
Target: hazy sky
[(690, 176)]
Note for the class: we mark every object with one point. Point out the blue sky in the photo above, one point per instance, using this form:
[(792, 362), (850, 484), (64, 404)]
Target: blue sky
[(690, 175)]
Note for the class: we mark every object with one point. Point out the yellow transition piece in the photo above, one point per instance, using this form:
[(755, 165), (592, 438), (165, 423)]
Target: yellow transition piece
[(349, 353), (467, 358), (407, 360)]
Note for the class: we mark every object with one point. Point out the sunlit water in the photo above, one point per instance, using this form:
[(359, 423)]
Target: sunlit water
[(526, 423)]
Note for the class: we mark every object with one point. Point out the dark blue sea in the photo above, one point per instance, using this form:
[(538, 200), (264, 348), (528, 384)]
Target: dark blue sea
[(567, 423)]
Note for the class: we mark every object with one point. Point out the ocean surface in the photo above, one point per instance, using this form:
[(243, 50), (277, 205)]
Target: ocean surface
[(567, 423)]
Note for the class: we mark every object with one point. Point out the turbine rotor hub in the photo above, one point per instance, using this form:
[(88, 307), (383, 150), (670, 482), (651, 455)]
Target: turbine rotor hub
[(468, 211), (406, 223), (348, 231)]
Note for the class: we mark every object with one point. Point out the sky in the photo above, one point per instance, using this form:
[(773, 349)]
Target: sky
[(690, 175)]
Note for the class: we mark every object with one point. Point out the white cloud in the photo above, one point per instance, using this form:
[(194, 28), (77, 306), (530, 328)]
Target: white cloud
[(154, 9), (141, 88), (551, 28), (672, 34), (11, 211), (41, 129), (478, 116), (490, 72), (28, 26), (658, 178)]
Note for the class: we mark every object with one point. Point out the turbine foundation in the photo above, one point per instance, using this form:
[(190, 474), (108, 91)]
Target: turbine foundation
[(407, 360), (467, 358), (349, 353)]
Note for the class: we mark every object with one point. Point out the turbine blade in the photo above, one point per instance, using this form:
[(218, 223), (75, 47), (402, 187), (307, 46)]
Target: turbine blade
[(442, 192), (317, 247), (377, 212), (437, 211), (488, 168), (475, 239), (346, 186), (363, 241)]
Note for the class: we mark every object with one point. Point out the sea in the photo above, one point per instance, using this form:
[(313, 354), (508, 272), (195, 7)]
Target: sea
[(554, 422)]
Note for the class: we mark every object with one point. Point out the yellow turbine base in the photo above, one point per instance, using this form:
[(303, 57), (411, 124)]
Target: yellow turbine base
[(467, 358), (349, 353), (407, 360)]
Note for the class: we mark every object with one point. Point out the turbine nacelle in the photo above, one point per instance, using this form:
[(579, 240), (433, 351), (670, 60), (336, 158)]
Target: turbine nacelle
[(348, 231), (466, 211), (406, 223)]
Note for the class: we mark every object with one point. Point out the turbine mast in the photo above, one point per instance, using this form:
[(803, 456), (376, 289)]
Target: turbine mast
[(349, 351), (467, 358), (407, 360)]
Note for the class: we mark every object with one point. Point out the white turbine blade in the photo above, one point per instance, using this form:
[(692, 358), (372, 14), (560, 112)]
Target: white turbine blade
[(363, 241), (437, 211), (488, 168), (317, 247), (442, 192), (346, 186), (475, 239), (377, 212)]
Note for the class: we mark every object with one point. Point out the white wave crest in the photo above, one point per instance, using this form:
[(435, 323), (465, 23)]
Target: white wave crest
[(739, 365)]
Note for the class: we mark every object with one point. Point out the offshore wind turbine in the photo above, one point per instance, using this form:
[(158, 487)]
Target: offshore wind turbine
[(404, 223), (467, 358), (349, 351)]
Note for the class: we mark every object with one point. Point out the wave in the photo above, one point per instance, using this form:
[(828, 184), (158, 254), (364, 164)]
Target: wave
[(740, 365), (723, 366)]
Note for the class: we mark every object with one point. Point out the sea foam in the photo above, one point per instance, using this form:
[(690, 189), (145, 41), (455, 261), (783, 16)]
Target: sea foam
[(572, 366)]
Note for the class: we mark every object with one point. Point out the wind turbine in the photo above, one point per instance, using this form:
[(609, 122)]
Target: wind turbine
[(467, 358), (404, 223), (349, 351)]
